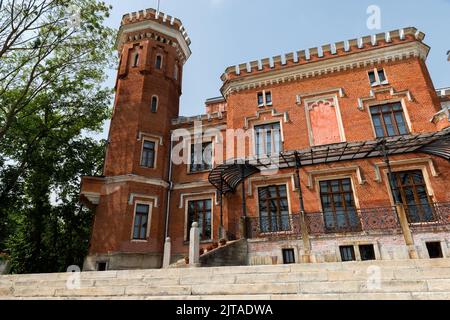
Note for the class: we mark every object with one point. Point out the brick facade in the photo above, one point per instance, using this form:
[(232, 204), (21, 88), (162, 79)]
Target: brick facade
[(337, 80)]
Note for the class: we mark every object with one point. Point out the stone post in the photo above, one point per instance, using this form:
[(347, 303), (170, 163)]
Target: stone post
[(307, 258), (167, 253), (194, 246), (406, 231)]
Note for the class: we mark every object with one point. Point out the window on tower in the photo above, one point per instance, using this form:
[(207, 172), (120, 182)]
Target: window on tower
[(158, 63), (140, 227), (148, 154), (175, 72), (154, 107)]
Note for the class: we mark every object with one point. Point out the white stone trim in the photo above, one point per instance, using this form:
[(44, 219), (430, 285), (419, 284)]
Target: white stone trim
[(273, 113), (301, 96), (93, 197), (139, 179), (321, 67), (143, 135), (253, 180), (415, 161), (314, 173), (197, 196), (373, 92), (308, 105), (148, 24), (191, 185), (132, 197)]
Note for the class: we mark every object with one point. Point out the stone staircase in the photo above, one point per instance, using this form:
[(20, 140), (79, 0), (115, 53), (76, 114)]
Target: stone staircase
[(398, 280)]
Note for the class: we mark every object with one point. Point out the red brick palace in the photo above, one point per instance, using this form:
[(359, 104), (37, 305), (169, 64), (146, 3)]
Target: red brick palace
[(335, 153)]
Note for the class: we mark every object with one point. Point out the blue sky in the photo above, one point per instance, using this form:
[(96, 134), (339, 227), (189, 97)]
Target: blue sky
[(228, 32)]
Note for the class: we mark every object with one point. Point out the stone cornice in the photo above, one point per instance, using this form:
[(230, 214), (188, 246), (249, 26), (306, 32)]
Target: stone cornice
[(135, 178), (159, 22), (356, 60)]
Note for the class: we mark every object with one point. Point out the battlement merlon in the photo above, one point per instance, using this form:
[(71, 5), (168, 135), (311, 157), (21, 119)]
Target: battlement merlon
[(134, 22), (329, 52)]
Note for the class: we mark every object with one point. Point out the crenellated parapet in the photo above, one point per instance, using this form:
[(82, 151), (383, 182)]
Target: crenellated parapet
[(152, 24), (329, 58)]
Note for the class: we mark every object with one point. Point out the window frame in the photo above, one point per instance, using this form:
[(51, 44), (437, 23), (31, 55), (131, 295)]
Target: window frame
[(190, 164), (290, 250), (187, 225), (136, 56), (259, 200), (400, 190), (161, 64), (352, 250), (264, 94), (154, 97), (255, 137), (393, 114), (155, 153), (378, 81), (149, 220), (354, 196)]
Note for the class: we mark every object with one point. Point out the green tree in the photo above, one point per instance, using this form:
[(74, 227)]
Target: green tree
[(53, 57)]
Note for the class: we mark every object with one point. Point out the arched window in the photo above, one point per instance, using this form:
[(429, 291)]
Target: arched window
[(154, 106), (158, 63), (136, 57)]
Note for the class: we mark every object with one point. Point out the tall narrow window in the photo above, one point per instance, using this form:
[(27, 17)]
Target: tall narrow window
[(389, 120), (268, 139), (412, 191), (136, 59), (141, 222), (264, 98), (154, 107), (201, 157), (175, 72), (158, 63), (268, 98), (148, 154), (260, 99), (274, 209), (200, 211), (338, 206)]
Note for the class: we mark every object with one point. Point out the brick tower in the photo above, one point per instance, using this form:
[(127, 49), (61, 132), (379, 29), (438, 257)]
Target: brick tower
[(131, 198)]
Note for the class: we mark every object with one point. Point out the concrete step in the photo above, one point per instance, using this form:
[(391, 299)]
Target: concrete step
[(409, 279)]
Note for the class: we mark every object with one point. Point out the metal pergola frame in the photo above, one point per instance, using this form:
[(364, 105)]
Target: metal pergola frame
[(228, 176)]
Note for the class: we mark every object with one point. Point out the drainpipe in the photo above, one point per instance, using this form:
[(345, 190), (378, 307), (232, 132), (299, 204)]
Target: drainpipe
[(307, 257), (167, 247), (169, 191)]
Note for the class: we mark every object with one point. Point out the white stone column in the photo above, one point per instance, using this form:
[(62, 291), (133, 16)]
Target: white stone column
[(167, 253), (194, 246)]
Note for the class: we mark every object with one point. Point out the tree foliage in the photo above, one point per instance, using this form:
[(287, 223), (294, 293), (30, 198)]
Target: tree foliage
[(53, 57)]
